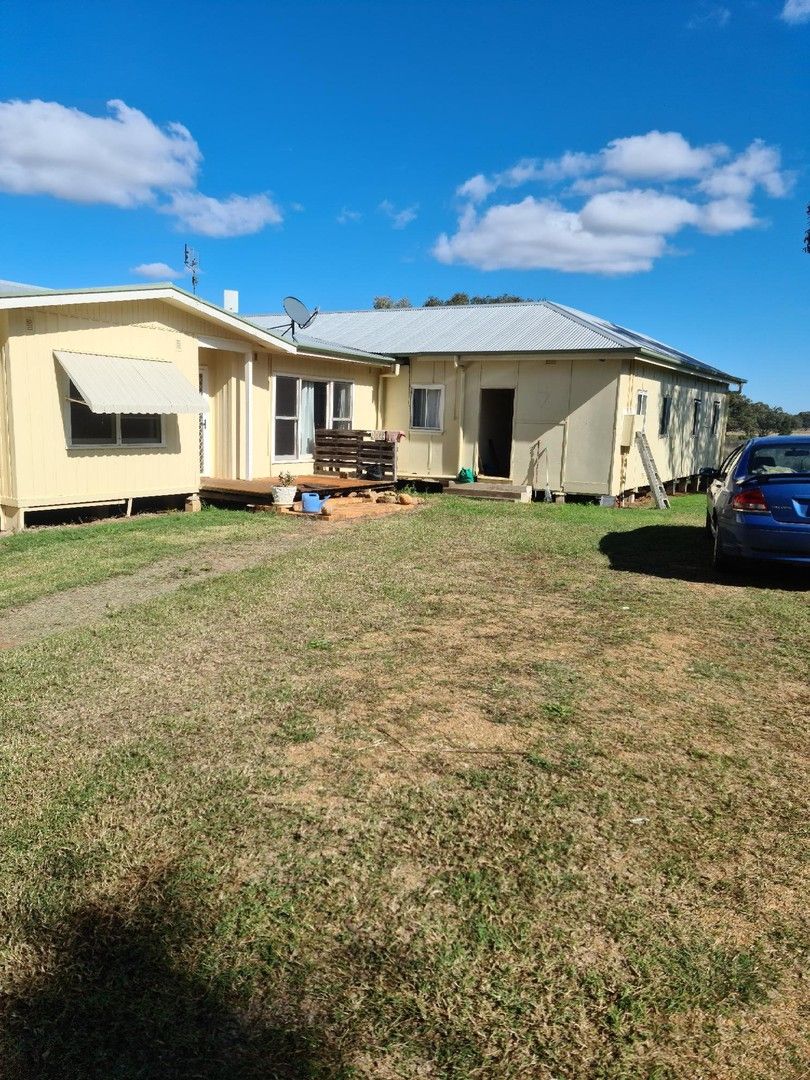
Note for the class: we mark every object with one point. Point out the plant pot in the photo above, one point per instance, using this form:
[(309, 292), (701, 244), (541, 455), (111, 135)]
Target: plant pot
[(283, 496)]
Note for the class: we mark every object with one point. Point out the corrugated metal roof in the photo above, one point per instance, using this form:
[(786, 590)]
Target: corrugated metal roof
[(15, 294), (124, 384), (16, 288), (537, 326)]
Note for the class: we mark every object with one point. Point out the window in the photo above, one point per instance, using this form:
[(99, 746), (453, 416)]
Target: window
[(697, 407), (286, 416), (109, 429), (715, 416), (731, 462), (427, 407), (302, 406), (780, 459), (341, 405), (666, 412), (641, 408)]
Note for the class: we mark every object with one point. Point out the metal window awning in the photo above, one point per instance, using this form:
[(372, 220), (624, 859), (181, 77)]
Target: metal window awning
[(122, 384)]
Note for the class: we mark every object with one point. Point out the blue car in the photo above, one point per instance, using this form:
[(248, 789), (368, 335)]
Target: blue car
[(759, 502)]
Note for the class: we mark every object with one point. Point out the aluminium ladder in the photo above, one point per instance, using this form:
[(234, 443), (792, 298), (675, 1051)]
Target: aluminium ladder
[(656, 487)]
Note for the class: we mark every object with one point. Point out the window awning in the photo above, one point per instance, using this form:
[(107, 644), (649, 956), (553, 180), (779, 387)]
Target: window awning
[(121, 384)]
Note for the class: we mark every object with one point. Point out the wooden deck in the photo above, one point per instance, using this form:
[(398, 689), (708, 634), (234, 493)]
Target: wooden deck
[(223, 489)]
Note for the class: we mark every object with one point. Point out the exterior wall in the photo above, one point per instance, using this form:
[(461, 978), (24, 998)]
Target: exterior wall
[(47, 470), (7, 486), (679, 453), (563, 426)]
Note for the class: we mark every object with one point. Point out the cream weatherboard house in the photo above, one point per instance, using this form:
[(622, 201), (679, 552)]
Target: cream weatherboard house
[(118, 394), (538, 394), (112, 395)]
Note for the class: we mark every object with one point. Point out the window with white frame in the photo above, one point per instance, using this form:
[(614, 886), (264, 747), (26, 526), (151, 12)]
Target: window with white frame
[(302, 406), (341, 404), (641, 408), (697, 409), (427, 407), (666, 413), (111, 429), (715, 416)]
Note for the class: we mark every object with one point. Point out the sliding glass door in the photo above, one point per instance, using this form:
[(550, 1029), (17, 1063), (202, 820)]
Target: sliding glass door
[(304, 405)]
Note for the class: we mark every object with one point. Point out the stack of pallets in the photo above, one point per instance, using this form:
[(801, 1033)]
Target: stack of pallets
[(354, 453)]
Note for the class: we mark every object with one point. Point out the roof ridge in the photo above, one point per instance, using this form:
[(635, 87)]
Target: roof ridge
[(568, 313), (414, 308)]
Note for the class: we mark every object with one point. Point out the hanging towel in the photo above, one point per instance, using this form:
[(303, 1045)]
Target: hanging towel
[(394, 436)]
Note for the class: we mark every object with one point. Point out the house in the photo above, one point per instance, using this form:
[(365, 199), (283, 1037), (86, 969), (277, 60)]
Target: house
[(536, 393), (117, 394)]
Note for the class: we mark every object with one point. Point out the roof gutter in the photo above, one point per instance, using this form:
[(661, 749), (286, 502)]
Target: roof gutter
[(647, 356)]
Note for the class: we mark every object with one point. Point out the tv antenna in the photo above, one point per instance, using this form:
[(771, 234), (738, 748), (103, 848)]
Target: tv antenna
[(192, 264), (300, 315)]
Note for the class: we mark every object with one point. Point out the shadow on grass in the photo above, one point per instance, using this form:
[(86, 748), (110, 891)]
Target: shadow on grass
[(684, 552), (118, 1002)]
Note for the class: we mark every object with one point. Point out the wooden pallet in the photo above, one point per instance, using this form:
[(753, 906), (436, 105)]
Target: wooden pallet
[(354, 452)]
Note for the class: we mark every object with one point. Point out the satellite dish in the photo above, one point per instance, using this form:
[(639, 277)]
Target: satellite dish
[(299, 313)]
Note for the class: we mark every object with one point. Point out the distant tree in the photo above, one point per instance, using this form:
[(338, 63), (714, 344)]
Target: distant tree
[(504, 298), (757, 418), (382, 303), (741, 415), (803, 419), (461, 298)]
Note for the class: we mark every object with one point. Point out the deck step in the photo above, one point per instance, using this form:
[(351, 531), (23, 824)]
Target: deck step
[(495, 492)]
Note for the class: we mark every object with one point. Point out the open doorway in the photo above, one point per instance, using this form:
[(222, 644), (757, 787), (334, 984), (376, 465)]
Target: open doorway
[(495, 432)]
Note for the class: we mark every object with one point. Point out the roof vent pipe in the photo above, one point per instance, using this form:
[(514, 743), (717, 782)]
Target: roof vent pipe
[(230, 301)]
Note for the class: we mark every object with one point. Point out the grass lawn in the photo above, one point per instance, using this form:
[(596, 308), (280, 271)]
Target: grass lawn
[(44, 561), (481, 791)]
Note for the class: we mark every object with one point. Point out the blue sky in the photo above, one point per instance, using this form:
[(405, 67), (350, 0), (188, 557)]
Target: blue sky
[(647, 162)]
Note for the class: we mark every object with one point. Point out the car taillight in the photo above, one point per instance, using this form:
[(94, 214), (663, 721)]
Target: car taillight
[(751, 501)]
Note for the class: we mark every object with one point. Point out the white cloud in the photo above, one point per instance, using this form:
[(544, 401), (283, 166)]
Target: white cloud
[(727, 216), (709, 15), (156, 271), (476, 189), (619, 207), (346, 215), (759, 165), (637, 213), (540, 234), (123, 159), (238, 215), (399, 218), (658, 155), (796, 11)]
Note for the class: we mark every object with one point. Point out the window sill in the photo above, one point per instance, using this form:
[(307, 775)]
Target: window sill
[(116, 446)]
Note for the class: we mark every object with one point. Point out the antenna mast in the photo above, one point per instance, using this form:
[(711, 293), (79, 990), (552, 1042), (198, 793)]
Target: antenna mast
[(192, 264)]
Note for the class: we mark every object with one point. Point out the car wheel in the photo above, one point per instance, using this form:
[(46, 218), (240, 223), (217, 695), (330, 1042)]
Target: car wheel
[(720, 561)]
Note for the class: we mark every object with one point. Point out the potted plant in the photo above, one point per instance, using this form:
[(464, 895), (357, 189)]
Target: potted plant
[(283, 491)]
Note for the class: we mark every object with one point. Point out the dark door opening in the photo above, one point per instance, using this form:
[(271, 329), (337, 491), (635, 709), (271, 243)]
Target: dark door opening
[(495, 432)]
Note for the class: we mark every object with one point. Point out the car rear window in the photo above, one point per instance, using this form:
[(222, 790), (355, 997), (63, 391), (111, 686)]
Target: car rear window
[(783, 458)]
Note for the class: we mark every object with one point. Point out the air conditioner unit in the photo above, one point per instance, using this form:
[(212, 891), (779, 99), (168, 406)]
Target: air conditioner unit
[(631, 423)]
